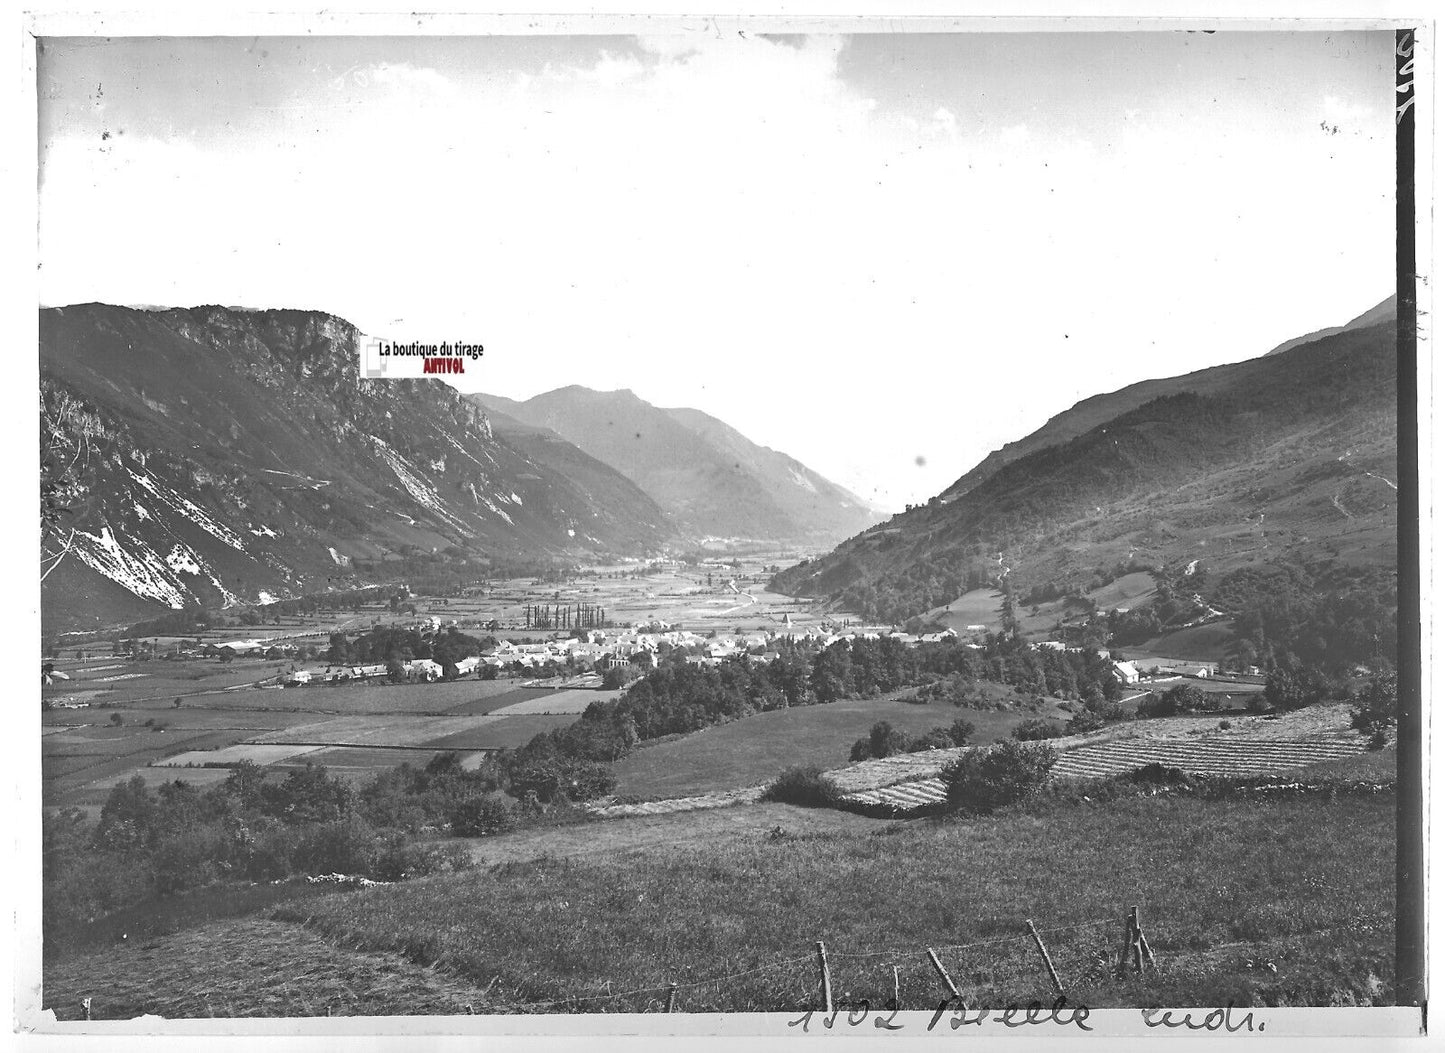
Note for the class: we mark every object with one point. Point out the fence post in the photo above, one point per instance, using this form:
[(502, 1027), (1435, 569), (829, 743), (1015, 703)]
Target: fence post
[(1143, 940), (1131, 924), (825, 978), (942, 974), (897, 1002), (1048, 962), (671, 996)]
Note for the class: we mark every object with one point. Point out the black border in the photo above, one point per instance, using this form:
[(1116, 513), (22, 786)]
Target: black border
[(1410, 988)]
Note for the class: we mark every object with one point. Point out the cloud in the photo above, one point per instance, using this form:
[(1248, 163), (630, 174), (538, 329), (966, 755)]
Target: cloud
[(732, 224)]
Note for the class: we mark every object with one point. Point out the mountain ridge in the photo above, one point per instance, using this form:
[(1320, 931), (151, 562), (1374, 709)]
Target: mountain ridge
[(714, 480), (218, 457), (1289, 453)]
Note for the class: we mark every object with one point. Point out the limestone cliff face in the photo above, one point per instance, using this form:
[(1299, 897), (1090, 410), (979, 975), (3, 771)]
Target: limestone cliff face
[(219, 455)]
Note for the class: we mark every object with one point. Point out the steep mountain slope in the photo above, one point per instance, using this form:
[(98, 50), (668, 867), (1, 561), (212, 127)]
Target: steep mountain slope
[(714, 480), (805, 497), (606, 489), (1289, 454), (1097, 409), (217, 456)]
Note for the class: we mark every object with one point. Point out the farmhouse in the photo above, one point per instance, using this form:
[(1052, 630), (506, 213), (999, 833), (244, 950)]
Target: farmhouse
[(423, 669), (1125, 673)]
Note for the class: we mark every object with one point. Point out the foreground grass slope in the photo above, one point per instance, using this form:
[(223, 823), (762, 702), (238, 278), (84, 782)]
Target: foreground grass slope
[(1284, 901)]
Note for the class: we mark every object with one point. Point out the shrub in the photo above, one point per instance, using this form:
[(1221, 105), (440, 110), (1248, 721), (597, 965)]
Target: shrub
[(862, 750), (885, 741), (399, 859), (805, 785), (983, 780), (937, 739), (961, 731), (1225, 725), (346, 847), (1376, 707), (1083, 723), (558, 778), (481, 817), (189, 858), (1036, 729)]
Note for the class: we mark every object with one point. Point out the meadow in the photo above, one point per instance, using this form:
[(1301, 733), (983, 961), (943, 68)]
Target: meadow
[(753, 750), (1287, 901)]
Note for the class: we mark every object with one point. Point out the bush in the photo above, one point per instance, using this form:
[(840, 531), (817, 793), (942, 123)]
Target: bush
[(561, 778), (1036, 729), (1083, 723), (189, 858), (937, 739), (399, 859), (1376, 707), (805, 785), (481, 817), (345, 847), (982, 780), (961, 731)]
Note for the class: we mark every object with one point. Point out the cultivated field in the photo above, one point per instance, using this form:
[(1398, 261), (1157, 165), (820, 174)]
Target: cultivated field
[(1250, 745)]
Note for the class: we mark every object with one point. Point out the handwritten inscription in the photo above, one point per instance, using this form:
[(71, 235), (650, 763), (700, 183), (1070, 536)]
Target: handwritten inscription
[(1062, 1013), (1405, 73), (1214, 1020)]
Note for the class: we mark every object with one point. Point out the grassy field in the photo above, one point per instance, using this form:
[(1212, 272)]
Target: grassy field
[(976, 607), (1287, 901), (753, 750), (1202, 643), (1303, 883), (251, 967)]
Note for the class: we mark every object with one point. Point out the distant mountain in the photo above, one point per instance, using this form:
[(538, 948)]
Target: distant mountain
[(1098, 409), (221, 456), (714, 480), (1291, 455)]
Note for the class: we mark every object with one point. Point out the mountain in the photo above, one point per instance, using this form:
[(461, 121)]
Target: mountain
[(222, 456), (1287, 456), (714, 480), (1098, 409)]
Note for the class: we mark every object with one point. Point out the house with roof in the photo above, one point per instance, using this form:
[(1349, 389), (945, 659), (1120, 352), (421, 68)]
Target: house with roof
[(1126, 673)]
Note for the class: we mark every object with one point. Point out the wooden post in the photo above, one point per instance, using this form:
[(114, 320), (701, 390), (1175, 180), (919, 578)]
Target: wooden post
[(942, 974), (1048, 962), (897, 1002), (1143, 940), (85, 1006), (1136, 950), (1130, 939), (825, 978), (671, 996)]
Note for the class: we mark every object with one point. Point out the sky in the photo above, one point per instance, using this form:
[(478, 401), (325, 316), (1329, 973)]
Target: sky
[(885, 255)]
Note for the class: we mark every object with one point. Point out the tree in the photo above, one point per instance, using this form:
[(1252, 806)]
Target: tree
[(1284, 691), (1036, 729), (1377, 706), (982, 780), (961, 731), (883, 741)]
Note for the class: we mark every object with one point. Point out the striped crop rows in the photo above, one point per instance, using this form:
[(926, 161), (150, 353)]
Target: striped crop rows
[(1201, 756)]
